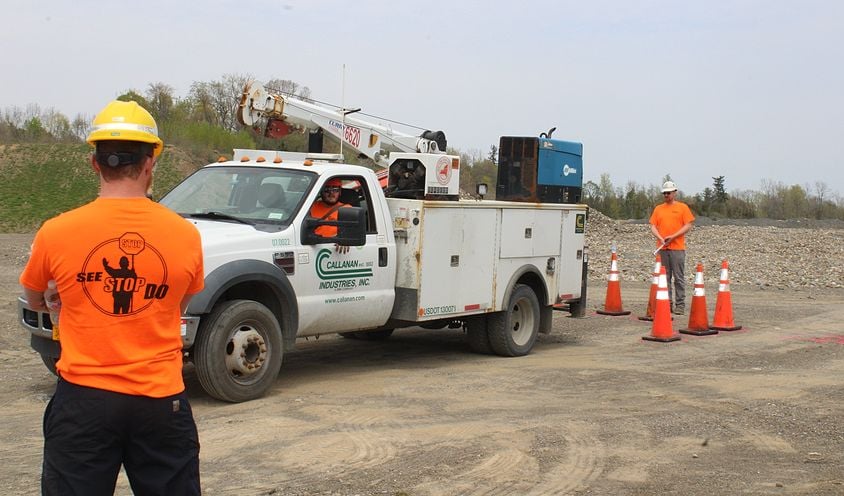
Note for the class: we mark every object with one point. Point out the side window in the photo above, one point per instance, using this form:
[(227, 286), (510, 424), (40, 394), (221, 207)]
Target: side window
[(354, 192)]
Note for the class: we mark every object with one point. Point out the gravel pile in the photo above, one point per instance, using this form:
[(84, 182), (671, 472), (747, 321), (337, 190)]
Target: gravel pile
[(772, 255)]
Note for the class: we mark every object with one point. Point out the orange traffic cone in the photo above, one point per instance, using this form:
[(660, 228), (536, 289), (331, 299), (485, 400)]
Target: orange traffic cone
[(723, 319), (612, 303), (698, 321), (649, 313), (662, 330)]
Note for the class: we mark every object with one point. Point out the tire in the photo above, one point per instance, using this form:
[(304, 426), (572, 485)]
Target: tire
[(513, 332), (477, 335), (243, 325), (374, 335)]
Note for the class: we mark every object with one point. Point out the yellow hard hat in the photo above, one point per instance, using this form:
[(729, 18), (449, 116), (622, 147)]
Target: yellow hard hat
[(125, 121)]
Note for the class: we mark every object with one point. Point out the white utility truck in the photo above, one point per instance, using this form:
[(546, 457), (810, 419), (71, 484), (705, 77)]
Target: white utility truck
[(493, 268)]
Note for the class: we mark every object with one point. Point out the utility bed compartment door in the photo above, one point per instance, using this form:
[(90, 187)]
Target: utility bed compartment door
[(458, 257), (530, 233), (446, 259)]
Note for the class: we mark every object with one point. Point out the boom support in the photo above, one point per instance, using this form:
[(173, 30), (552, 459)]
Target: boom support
[(276, 115)]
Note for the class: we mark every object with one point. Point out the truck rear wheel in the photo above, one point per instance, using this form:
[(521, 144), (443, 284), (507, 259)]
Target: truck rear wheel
[(238, 351), (513, 331)]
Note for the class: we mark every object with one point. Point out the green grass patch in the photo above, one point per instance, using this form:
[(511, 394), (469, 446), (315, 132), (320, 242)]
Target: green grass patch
[(41, 181)]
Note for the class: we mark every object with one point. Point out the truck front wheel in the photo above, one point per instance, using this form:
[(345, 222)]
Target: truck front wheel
[(513, 331), (238, 351)]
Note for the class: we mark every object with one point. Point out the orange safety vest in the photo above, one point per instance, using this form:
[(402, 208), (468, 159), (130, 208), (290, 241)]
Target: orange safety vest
[(324, 211)]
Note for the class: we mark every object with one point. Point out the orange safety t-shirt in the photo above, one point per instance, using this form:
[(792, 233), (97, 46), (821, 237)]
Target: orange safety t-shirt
[(318, 210), (122, 267), (668, 219)]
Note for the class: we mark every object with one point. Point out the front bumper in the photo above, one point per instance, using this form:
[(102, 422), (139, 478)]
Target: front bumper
[(40, 327)]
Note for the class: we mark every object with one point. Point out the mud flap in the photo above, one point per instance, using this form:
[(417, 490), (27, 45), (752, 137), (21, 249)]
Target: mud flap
[(546, 316)]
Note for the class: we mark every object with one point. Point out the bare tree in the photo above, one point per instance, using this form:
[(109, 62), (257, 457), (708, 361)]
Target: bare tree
[(224, 98), (284, 86), (33, 111), (305, 93), (822, 192), (160, 99), (57, 125), (202, 103), (13, 117), (289, 87), (81, 126)]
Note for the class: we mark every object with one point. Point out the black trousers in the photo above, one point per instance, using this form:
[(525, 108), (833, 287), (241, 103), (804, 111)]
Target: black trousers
[(89, 433)]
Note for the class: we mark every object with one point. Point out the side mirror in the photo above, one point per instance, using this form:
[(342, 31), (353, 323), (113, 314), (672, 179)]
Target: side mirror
[(481, 190), (351, 228)]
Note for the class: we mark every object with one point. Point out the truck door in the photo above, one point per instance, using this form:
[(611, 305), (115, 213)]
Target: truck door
[(352, 290)]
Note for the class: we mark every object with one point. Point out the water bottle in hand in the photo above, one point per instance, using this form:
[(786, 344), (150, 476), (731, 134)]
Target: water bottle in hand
[(53, 302)]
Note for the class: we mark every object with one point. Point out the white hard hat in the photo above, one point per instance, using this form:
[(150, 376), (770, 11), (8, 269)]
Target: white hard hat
[(668, 186)]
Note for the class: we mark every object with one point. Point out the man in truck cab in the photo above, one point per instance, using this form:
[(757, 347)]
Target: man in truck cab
[(326, 207)]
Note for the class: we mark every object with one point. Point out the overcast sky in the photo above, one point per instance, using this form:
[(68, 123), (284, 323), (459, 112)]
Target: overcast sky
[(751, 90)]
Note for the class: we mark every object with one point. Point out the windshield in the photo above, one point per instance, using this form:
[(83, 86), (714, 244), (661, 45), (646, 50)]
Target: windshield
[(256, 195)]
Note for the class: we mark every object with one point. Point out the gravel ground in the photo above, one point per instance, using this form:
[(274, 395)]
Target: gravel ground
[(762, 253), (594, 409)]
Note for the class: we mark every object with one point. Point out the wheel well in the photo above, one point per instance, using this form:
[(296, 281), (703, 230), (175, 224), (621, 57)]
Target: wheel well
[(537, 284), (266, 295)]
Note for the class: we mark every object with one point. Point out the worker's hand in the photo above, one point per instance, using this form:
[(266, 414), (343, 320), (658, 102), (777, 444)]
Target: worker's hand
[(341, 248), (667, 240), (52, 300)]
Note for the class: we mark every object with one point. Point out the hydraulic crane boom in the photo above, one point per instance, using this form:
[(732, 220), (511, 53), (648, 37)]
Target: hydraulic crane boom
[(275, 115)]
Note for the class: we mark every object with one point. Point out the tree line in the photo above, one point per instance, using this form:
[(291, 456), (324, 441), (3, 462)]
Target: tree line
[(774, 200), (204, 123)]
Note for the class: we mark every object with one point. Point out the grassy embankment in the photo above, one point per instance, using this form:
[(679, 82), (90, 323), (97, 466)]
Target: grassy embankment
[(40, 181)]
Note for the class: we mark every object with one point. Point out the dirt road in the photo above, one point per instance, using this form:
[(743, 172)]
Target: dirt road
[(593, 410)]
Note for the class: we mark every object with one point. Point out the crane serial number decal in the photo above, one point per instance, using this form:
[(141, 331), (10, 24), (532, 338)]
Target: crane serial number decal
[(352, 136)]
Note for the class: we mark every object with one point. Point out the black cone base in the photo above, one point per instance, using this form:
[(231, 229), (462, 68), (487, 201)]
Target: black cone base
[(697, 332), (605, 312), (735, 328), (662, 340)]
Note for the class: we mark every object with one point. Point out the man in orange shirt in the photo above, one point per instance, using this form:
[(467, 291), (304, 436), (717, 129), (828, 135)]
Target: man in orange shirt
[(326, 207), (120, 395), (670, 222)]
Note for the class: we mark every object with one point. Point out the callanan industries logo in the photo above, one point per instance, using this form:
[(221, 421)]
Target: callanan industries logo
[(123, 276), (341, 274)]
